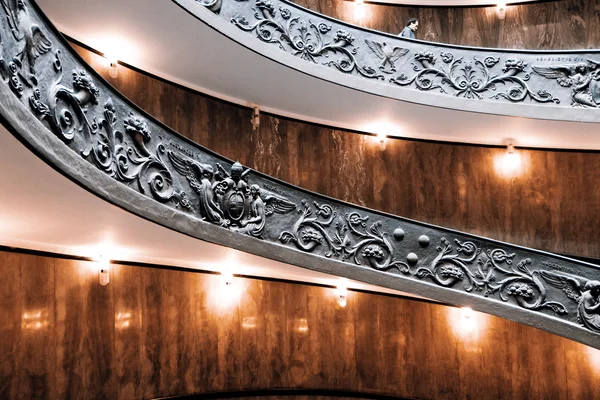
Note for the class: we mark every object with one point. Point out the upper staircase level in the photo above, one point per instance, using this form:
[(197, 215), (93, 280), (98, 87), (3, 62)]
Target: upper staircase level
[(296, 63)]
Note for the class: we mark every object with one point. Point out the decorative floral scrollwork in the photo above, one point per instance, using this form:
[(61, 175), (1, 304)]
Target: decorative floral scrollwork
[(489, 272), (349, 240), (470, 79), (305, 39), (65, 112)]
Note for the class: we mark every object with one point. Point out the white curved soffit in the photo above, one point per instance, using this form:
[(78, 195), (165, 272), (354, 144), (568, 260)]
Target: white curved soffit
[(159, 37), (42, 210)]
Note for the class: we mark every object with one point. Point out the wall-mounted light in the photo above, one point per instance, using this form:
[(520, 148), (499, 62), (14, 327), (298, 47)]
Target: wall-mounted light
[(226, 278), (226, 292), (501, 10), (467, 325), (594, 357), (112, 65), (466, 312), (382, 138), (342, 295), (509, 163), (359, 9), (113, 68), (103, 270)]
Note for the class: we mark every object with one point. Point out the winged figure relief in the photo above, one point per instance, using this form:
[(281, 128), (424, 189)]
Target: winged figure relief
[(262, 204), (387, 53), (226, 198), (583, 291), (583, 79), (200, 176), (24, 30)]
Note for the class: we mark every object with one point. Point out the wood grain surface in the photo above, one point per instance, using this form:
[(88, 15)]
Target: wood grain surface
[(155, 332), (551, 204), (545, 25)]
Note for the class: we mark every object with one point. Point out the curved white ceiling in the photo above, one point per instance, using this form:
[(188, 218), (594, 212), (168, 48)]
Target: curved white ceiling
[(42, 210), (159, 37)]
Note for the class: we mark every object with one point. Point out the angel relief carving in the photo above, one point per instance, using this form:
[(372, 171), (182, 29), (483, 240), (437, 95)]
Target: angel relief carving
[(583, 79), (583, 291), (226, 198)]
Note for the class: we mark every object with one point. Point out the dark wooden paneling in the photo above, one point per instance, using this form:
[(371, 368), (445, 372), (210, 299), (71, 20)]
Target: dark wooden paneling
[(84, 330), (550, 206), (165, 333), (550, 25)]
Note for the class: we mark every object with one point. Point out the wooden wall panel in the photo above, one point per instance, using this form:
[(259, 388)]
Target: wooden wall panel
[(159, 332), (550, 205), (549, 25)]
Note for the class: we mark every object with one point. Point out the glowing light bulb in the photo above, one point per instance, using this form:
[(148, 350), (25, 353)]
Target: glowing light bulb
[(501, 9), (508, 164), (359, 10)]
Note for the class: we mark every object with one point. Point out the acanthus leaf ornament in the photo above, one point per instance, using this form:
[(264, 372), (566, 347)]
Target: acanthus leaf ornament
[(470, 79), (305, 39), (66, 113), (489, 272), (108, 138), (349, 238)]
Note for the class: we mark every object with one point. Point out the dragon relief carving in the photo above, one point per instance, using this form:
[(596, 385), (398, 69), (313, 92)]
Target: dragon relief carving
[(583, 78), (226, 198), (470, 79), (305, 39)]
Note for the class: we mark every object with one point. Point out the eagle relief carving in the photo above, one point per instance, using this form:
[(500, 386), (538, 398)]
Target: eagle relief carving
[(387, 53)]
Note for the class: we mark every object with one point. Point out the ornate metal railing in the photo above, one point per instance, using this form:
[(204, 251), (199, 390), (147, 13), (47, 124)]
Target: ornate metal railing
[(564, 80), (69, 116)]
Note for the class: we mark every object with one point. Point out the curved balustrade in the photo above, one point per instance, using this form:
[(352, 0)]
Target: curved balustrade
[(62, 110), (555, 85)]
